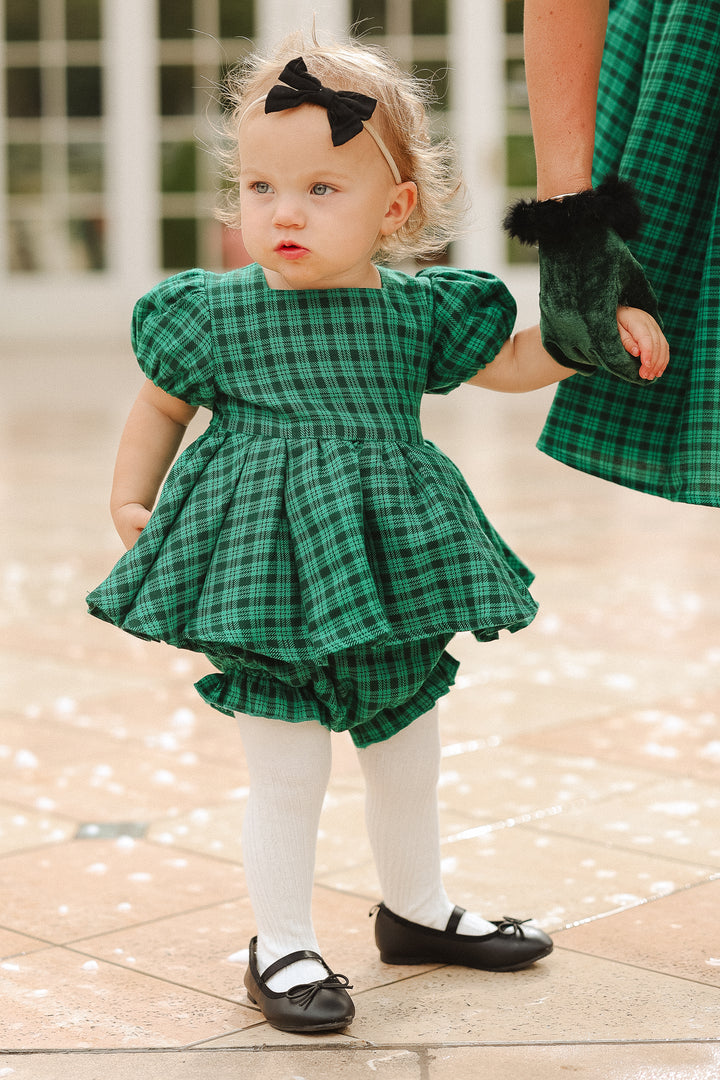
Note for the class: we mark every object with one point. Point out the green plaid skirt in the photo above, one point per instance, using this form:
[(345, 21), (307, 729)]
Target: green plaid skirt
[(311, 542), (659, 125)]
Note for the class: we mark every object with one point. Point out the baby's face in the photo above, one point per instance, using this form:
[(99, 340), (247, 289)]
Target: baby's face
[(312, 213)]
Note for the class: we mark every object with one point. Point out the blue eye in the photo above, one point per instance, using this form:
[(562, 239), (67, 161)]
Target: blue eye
[(321, 189), (261, 187)]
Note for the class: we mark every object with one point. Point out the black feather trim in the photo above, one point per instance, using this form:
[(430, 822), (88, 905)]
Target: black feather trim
[(612, 203)]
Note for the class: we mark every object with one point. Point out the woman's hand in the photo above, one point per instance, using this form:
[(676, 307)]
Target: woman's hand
[(642, 337), (130, 520)]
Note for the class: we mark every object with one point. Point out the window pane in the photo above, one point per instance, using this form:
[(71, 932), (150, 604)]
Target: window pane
[(178, 167), (177, 97), (223, 97), (85, 167), (24, 94), (84, 91), (438, 74), (24, 246), (429, 17), (82, 20), (520, 161), (516, 88), (514, 16), (24, 162), (87, 244), (176, 18), (22, 20), (370, 14), (179, 243), (520, 254), (237, 18)]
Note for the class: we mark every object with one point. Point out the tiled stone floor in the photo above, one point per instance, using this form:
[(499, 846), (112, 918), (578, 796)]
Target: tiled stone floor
[(580, 785)]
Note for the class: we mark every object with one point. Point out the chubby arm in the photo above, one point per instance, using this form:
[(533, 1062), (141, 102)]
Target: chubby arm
[(523, 364), (563, 50), (150, 440)]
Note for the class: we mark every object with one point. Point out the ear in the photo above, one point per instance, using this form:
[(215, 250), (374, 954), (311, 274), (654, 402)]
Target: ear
[(403, 201)]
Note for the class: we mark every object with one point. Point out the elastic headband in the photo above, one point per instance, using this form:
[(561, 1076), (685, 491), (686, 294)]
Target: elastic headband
[(348, 112)]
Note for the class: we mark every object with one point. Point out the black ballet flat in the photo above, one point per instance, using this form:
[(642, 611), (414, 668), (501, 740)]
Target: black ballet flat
[(512, 946), (324, 1005)]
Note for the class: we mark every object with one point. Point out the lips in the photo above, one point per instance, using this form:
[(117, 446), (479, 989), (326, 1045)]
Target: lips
[(289, 250)]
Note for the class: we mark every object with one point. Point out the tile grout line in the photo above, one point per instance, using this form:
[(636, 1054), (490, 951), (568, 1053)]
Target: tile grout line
[(354, 1048), (637, 967), (528, 825), (641, 903)]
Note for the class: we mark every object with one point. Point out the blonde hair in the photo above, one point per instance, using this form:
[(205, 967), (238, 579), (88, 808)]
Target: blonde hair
[(401, 117)]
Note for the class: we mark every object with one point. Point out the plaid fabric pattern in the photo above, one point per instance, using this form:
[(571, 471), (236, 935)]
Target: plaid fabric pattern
[(373, 692), (311, 518), (659, 125)]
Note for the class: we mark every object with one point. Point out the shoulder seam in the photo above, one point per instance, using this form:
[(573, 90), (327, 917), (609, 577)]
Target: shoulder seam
[(211, 322)]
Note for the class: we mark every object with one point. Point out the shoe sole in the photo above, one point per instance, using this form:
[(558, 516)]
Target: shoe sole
[(406, 960)]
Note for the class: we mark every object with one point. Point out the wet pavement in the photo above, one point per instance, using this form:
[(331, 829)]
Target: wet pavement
[(580, 786)]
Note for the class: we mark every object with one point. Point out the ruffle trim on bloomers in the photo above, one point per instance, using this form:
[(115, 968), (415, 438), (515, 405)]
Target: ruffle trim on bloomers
[(372, 693)]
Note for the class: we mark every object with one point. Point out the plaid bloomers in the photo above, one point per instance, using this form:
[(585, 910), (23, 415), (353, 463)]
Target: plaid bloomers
[(310, 542), (659, 126)]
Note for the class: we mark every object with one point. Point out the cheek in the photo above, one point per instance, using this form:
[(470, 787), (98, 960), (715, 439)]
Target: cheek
[(249, 218), (252, 235), (245, 211)]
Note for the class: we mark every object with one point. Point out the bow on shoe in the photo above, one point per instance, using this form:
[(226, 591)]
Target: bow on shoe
[(304, 994), (508, 923), (346, 110)]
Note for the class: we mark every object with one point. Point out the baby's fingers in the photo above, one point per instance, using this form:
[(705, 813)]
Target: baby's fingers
[(654, 354), (629, 343), (646, 341)]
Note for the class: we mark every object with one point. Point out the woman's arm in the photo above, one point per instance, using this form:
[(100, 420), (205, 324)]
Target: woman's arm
[(151, 438), (563, 50)]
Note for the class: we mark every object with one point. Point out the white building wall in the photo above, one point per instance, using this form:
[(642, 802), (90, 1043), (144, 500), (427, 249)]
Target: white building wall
[(276, 18), (3, 143), (130, 94), (93, 304), (476, 49)]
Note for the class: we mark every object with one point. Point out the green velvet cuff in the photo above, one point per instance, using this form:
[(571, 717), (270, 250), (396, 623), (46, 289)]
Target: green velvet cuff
[(586, 272)]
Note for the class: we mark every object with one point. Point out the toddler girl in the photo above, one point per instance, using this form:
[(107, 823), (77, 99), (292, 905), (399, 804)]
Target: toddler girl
[(310, 542)]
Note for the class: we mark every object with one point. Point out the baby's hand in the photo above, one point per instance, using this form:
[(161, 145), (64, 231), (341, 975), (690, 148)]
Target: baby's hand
[(130, 520), (642, 337)]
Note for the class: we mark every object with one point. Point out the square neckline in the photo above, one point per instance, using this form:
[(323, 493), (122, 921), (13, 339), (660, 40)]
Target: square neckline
[(260, 275)]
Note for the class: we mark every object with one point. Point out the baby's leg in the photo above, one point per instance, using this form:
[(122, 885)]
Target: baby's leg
[(289, 768), (401, 776)]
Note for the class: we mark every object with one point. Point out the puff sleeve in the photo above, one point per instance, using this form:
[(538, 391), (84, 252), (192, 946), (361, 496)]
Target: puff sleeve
[(172, 339), (473, 316)]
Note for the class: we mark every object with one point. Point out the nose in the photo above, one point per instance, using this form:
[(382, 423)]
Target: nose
[(288, 212)]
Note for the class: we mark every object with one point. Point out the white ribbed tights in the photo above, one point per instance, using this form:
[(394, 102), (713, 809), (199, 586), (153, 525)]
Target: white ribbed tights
[(289, 767)]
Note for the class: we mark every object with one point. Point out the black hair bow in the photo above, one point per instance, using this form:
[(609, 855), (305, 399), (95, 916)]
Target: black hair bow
[(346, 110)]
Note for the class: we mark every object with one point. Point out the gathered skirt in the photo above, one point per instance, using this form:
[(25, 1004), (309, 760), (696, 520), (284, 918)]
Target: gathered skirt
[(324, 579)]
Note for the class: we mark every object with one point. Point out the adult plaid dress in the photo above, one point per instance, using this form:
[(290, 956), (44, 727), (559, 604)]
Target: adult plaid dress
[(659, 125), (310, 541)]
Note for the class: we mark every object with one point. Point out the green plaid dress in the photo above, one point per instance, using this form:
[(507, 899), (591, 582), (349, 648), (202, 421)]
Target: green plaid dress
[(310, 542), (659, 125)]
